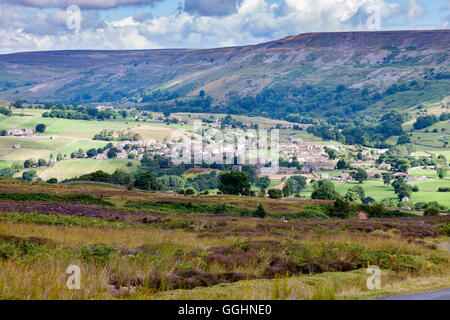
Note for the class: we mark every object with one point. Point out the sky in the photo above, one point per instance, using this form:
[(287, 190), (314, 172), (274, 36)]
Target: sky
[(38, 25)]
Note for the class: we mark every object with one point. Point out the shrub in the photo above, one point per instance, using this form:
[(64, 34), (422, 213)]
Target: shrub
[(442, 189), (420, 205), (260, 212), (29, 175), (190, 191), (340, 209), (431, 212), (415, 189), (52, 180), (97, 254), (275, 194)]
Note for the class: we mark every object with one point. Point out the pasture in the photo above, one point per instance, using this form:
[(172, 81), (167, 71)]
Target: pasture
[(377, 190), (68, 169)]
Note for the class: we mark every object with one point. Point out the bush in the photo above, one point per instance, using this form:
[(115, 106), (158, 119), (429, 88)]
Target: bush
[(52, 180), (420, 205), (340, 209), (260, 212), (442, 189), (275, 194), (324, 190), (29, 175), (415, 189), (97, 254), (190, 191), (368, 200), (431, 212), (308, 213)]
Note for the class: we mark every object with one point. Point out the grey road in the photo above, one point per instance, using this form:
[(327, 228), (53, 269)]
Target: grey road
[(436, 295)]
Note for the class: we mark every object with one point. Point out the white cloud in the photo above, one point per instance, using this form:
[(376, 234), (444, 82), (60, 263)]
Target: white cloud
[(255, 21), (84, 4)]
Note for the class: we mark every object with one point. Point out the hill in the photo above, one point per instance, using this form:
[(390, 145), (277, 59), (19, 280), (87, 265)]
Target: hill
[(246, 80)]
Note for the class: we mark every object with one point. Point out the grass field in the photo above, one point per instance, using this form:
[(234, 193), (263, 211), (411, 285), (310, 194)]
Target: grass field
[(68, 169), (377, 190), (81, 128)]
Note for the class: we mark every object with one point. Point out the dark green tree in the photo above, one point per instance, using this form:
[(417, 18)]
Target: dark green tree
[(234, 183)]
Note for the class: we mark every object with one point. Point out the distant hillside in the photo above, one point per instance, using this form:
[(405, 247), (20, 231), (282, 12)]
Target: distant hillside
[(234, 77)]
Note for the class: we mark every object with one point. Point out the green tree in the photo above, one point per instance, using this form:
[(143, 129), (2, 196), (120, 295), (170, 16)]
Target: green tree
[(286, 190), (324, 190), (147, 181), (263, 182), (360, 175), (343, 164), (172, 183), (29, 175), (402, 165), (442, 172), (40, 128), (234, 183), (340, 209), (387, 178), (296, 184), (404, 139)]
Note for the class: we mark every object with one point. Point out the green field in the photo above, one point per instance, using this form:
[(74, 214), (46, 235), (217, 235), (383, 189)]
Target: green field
[(377, 190), (81, 128), (68, 169), (42, 147)]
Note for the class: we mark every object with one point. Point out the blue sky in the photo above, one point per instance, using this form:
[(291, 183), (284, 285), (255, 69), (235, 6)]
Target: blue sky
[(31, 25)]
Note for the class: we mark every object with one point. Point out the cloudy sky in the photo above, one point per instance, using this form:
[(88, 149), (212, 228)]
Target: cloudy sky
[(33, 25)]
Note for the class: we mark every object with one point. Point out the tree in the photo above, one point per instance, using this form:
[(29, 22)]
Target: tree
[(172, 183), (263, 182), (332, 153), (404, 139), (340, 209), (29, 175), (120, 177), (286, 190), (5, 111), (296, 184), (260, 212), (190, 191), (343, 164), (30, 163), (387, 178), (351, 196), (402, 165), (235, 183), (441, 172), (360, 175), (404, 190), (147, 181), (42, 163), (40, 128), (112, 153), (324, 190), (275, 194), (91, 153)]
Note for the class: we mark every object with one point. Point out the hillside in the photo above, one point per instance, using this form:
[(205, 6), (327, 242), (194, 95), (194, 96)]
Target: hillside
[(356, 60)]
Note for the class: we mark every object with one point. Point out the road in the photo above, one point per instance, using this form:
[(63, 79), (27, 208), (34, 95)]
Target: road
[(436, 295)]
